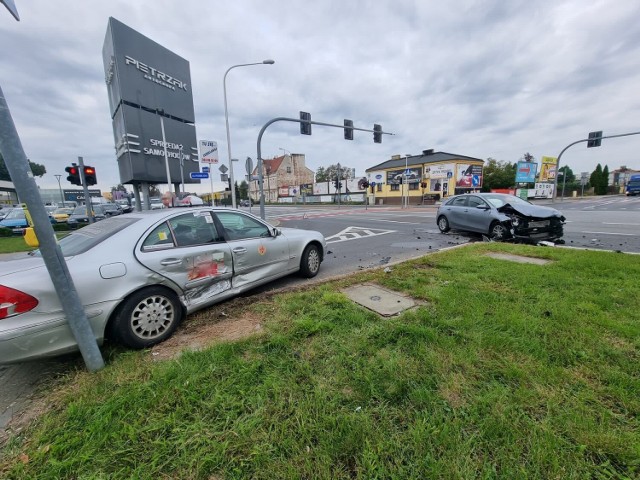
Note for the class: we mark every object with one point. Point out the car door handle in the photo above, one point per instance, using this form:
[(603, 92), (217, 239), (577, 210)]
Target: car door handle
[(171, 261), (240, 250)]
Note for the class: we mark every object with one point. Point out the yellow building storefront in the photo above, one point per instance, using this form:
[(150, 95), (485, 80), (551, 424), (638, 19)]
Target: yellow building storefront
[(423, 179)]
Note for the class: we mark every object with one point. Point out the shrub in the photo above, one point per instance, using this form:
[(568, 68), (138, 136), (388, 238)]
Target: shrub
[(5, 232)]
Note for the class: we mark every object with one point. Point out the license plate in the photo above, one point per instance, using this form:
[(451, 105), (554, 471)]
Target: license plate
[(541, 223)]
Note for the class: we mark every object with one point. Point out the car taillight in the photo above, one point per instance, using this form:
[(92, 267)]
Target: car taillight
[(13, 302)]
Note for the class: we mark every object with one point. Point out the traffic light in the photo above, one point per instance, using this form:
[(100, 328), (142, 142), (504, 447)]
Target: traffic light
[(595, 139), (90, 175), (377, 133), (348, 129), (336, 183), (423, 184), (305, 128), (74, 175)]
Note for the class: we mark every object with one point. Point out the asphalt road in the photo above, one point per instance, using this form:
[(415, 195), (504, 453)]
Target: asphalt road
[(359, 238)]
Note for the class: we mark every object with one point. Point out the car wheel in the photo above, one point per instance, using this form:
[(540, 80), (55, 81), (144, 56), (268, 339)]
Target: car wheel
[(498, 231), (147, 317), (443, 224), (310, 261)]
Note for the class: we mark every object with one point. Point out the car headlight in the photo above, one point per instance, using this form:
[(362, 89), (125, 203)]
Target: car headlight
[(515, 221)]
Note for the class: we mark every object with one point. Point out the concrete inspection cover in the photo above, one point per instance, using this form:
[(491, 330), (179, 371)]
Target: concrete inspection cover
[(384, 302), (518, 258)]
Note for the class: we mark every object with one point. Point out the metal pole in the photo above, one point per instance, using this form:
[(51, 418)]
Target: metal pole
[(87, 198), (166, 155), (182, 169), (226, 120), (60, 188), (22, 177)]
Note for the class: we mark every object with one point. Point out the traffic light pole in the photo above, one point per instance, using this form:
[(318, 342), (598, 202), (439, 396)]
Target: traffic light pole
[(376, 130), (555, 180), (22, 177), (85, 188)]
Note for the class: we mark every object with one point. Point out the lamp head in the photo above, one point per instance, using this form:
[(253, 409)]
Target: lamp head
[(268, 62)]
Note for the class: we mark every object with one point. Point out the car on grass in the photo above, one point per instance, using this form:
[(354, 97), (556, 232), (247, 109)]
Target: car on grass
[(79, 216), (500, 217), (138, 275)]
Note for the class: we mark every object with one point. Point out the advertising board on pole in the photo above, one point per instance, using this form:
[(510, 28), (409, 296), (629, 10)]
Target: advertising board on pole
[(208, 151)]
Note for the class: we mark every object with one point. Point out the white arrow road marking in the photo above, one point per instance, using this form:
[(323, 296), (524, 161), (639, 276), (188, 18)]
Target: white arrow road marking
[(354, 233)]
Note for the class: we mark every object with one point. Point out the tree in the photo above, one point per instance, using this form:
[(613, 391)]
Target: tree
[(527, 157), (498, 174), (605, 179), (331, 172), (566, 170), (37, 170), (243, 190), (598, 180)]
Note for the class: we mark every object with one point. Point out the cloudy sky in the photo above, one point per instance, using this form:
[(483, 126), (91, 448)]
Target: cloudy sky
[(478, 78)]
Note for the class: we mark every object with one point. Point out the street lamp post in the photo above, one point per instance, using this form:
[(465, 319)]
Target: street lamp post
[(60, 188), (181, 169), (226, 119), (405, 177)]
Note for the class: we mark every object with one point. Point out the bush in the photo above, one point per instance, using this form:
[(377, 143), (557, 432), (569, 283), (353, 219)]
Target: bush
[(60, 227), (5, 232)]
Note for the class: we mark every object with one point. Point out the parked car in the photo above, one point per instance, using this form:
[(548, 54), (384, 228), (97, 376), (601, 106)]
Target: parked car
[(79, 216), (186, 199), (245, 203), (61, 215), (125, 205), (139, 275), (111, 209), (16, 220), (156, 203), (500, 217)]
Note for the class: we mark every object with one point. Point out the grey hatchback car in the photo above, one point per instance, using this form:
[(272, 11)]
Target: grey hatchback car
[(138, 275), (500, 217)]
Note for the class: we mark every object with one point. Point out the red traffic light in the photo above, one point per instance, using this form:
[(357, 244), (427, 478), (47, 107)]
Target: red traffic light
[(74, 175)]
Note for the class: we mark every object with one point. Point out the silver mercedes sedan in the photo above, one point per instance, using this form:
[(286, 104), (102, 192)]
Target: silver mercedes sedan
[(138, 275)]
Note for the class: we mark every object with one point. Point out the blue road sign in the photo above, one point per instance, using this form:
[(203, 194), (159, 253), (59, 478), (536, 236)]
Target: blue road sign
[(205, 169), (199, 175)]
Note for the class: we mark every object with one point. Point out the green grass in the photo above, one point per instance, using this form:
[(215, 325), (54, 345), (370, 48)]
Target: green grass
[(13, 244), (506, 370)]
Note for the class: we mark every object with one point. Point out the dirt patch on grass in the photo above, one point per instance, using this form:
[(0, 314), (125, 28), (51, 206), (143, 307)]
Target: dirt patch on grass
[(200, 336)]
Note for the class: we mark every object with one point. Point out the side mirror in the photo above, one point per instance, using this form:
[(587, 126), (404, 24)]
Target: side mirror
[(275, 232), (483, 207)]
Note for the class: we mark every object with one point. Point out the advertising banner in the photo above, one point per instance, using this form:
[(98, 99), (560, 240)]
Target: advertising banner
[(548, 169), (208, 151), (439, 171), (394, 177), (468, 176), (526, 172)]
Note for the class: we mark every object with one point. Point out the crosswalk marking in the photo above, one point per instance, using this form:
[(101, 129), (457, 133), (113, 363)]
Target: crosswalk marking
[(354, 233)]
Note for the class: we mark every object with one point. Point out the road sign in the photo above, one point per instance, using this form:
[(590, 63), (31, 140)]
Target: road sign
[(223, 168), (249, 166), (199, 175), (208, 151), (205, 169)]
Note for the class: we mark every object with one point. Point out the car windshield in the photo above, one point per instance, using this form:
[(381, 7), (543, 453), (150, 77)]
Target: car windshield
[(500, 200), (91, 235), (16, 213)]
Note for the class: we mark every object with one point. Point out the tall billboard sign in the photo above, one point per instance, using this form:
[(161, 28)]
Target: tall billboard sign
[(149, 87), (548, 169)]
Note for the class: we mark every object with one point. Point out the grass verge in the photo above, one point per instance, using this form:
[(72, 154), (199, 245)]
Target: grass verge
[(507, 370)]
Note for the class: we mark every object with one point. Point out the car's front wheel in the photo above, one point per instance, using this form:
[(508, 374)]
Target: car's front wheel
[(443, 224), (310, 261), (147, 317), (498, 231)]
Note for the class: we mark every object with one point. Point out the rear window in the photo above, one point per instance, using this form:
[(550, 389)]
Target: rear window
[(91, 235)]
